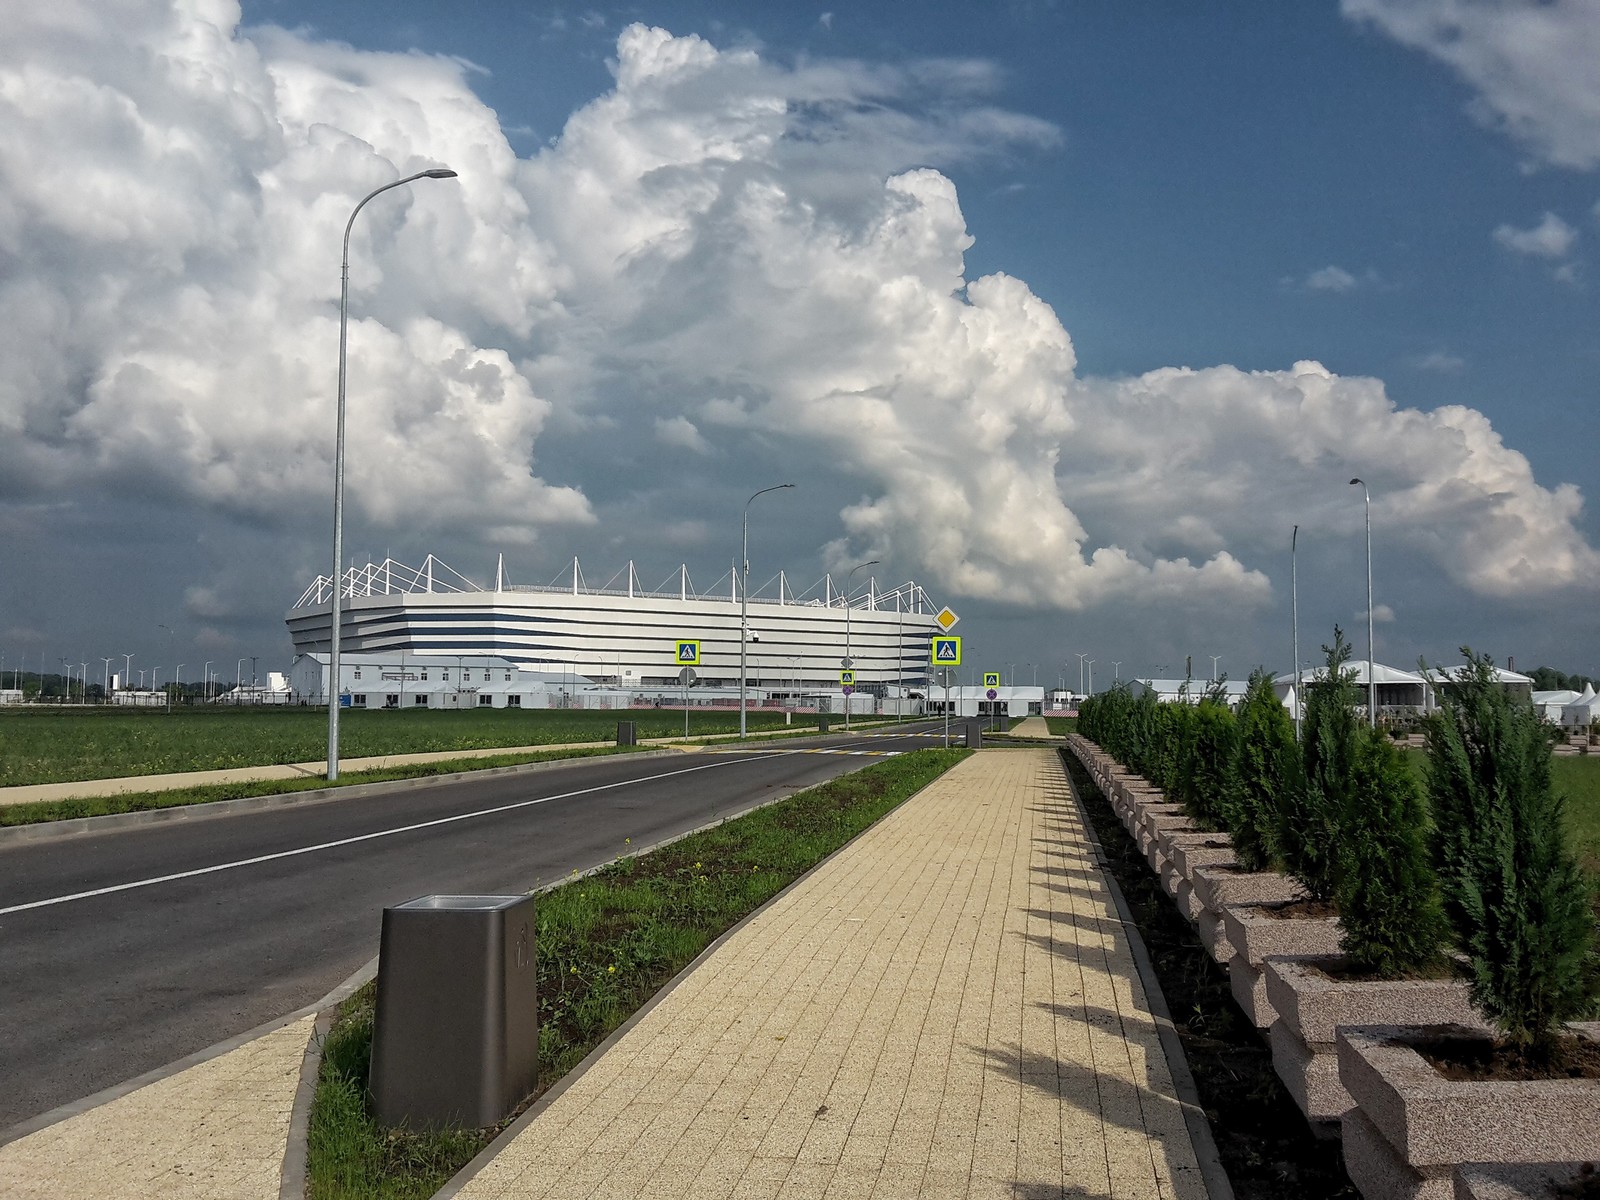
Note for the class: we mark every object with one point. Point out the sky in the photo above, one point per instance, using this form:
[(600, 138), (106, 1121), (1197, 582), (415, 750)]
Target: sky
[(1070, 312)]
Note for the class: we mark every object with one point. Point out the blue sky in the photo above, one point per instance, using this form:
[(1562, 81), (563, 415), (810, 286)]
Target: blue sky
[(1402, 191)]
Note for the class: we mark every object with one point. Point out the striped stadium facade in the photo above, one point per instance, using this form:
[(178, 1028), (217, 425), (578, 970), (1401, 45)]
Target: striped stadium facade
[(627, 636)]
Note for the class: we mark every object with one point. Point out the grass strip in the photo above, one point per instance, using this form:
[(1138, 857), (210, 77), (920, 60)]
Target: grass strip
[(36, 812), (606, 944), (1062, 726)]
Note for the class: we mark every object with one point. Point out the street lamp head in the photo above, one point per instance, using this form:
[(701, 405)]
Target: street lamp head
[(440, 173), (1355, 482)]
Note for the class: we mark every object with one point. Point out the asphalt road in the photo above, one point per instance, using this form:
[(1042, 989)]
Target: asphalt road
[(125, 951)]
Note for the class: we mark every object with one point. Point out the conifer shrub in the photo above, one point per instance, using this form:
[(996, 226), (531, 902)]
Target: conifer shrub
[(1266, 770), (1387, 893), (1211, 761), (1514, 893), (1309, 817)]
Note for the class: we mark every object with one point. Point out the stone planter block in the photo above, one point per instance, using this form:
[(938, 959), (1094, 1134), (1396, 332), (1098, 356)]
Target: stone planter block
[(1190, 858), (1189, 902), (1311, 1078), (1217, 887), (1213, 936), (1256, 933), (1513, 1181), (1432, 1123), (1379, 1172), (1250, 991), (1313, 1005), (1170, 879)]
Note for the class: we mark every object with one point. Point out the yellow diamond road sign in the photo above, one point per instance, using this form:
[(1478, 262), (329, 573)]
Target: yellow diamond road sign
[(947, 651), (947, 618)]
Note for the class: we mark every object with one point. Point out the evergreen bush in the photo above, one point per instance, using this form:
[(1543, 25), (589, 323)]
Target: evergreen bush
[(1387, 892), (1211, 761), (1267, 769), (1513, 891), (1308, 819)]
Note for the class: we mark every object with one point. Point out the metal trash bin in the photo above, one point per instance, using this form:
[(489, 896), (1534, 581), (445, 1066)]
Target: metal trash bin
[(822, 722), (974, 735), (627, 733), (455, 1041)]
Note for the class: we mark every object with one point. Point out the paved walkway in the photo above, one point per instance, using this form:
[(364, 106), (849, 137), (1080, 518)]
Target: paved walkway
[(948, 1007), (215, 1131)]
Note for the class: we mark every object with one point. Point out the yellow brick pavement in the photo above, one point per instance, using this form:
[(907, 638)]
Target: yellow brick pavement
[(215, 1131), (947, 1007)]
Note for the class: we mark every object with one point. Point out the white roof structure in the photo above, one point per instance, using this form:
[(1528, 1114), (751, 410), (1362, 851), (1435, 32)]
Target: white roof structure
[(1190, 691), (1383, 673)]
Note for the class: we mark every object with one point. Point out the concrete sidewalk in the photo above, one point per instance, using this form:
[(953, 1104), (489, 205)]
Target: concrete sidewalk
[(949, 1006)]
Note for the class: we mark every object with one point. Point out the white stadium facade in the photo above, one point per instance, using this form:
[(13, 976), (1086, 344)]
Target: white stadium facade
[(620, 636)]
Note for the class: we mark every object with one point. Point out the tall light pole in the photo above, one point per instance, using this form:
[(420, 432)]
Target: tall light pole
[(1116, 672), (171, 643), (1215, 659), (744, 598), (106, 698), (848, 661), (1294, 613), (335, 626), (1372, 683), (205, 675), (1091, 676), (238, 680), (1081, 657), (127, 671)]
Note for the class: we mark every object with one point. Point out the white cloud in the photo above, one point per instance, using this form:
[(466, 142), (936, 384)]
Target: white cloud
[(1441, 361), (1330, 279), (1533, 65), (1552, 238), (680, 432), (717, 241)]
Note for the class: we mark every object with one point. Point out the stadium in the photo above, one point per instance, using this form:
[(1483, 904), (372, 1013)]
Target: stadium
[(621, 636)]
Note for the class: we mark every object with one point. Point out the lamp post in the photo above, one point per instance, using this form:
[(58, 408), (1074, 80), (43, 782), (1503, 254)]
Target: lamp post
[(238, 680), (176, 683), (1372, 683), (1081, 657), (205, 675), (1116, 672), (335, 630), (1294, 614), (1215, 659), (127, 671), (106, 697), (1091, 675), (171, 642), (848, 661), (744, 598)]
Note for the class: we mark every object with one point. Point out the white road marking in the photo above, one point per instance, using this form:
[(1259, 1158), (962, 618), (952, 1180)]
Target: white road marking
[(349, 841)]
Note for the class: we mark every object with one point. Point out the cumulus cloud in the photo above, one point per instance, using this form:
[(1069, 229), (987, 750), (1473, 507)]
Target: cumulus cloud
[(1532, 65), (1552, 238), (718, 241)]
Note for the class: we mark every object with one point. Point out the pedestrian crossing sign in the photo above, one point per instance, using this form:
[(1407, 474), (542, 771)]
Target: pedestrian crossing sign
[(688, 654), (947, 651), (991, 679), (847, 677)]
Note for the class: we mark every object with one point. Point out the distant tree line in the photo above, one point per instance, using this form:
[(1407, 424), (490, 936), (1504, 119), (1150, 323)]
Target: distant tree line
[(1548, 679)]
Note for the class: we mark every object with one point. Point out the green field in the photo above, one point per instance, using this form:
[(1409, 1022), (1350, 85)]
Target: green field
[(1578, 779), (53, 746)]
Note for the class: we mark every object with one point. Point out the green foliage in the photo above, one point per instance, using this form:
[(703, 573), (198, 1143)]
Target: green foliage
[(1387, 892), (1308, 820), (1513, 890), (1266, 771), (1548, 679), (1211, 761), (58, 745)]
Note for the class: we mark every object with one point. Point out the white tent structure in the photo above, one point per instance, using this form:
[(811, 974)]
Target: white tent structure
[(1550, 704), (1583, 711), (1189, 691), (1398, 691)]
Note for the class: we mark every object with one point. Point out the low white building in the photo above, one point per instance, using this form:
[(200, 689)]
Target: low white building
[(10, 695), (1400, 693), (969, 701), (1189, 691)]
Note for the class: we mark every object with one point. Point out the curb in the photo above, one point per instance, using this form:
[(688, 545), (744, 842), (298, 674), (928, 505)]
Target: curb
[(41, 831), (1217, 1184)]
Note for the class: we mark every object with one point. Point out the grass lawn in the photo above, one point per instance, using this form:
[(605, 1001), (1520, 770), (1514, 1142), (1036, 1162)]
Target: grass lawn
[(1061, 726), (605, 945), (54, 746), (1579, 780), (100, 806)]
